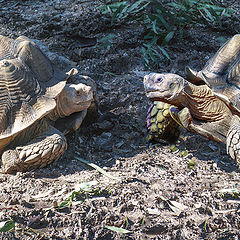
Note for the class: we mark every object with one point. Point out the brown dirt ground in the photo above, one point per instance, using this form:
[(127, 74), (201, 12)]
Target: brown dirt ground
[(152, 177)]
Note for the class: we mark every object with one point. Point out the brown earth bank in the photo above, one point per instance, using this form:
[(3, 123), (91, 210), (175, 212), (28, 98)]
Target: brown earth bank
[(154, 191)]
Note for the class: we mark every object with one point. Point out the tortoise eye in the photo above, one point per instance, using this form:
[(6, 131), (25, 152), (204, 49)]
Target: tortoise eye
[(78, 92), (158, 79)]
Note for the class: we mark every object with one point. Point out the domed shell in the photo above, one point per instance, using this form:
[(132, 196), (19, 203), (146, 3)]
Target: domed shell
[(29, 85), (222, 73)]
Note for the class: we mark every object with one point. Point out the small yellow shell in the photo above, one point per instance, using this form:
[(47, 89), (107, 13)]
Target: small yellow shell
[(162, 126)]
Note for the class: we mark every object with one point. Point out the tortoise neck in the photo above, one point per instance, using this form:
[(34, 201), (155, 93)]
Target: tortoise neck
[(58, 111), (198, 94), (203, 103)]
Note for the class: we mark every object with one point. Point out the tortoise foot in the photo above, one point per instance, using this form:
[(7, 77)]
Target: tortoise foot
[(11, 162), (38, 153), (183, 117), (233, 139)]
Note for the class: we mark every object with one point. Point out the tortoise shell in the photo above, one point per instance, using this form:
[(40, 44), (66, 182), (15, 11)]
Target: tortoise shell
[(29, 85), (160, 125), (222, 73)]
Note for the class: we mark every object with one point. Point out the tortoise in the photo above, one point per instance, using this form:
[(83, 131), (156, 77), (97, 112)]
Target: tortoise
[(34, 93), (161, 127), (207, 101)]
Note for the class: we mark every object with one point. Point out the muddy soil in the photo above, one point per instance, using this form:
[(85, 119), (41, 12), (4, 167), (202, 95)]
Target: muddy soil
[(155, 192)]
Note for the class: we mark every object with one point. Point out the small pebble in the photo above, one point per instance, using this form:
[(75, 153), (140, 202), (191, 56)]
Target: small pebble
[(118, 163), (214, 165)]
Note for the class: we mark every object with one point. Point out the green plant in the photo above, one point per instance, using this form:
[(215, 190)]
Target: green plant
[(117, 229), (85, 190), (7, 225), (106, 41), (122, 10), (230, 192), (164, 22)]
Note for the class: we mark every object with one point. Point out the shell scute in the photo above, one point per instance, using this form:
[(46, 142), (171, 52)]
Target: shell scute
[(29, 85), (222, 73)]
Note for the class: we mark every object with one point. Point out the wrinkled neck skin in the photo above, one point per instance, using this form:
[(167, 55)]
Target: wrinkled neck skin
[(59, 111), (203, 104)]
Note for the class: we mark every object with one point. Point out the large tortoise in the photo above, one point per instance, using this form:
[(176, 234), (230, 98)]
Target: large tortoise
[(33, 95), (208, 100)]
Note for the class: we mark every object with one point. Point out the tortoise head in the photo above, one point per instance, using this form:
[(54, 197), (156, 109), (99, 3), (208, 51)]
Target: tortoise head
[(74, 98), (166, 87)]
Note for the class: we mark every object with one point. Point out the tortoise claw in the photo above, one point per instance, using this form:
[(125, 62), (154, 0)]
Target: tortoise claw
[(174, 114)]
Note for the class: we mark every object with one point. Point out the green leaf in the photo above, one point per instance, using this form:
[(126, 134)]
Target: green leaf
[(79, 189), (176, 5), (97, 168), (117, 14), (123, 12), (154, 26), (107, 38), (63, 204), (221, 40), (183, 153), (7, 226), (173, 148), (142, 7), (168, 38), (135, 6), (234, 192), (171, 17), (191, 163), (163, 20), (209, 15), (164, 52), (117, 229), (86, 186)]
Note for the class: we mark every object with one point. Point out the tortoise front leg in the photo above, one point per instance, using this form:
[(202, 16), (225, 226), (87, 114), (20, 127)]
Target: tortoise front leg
[(233, 139), (70, 123), (41, 151), (209, 130)]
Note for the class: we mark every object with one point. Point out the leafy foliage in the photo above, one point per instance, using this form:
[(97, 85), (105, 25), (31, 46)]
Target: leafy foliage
[(163, 22), (7, 226), (85, 190), (122, 10), (230, 192)]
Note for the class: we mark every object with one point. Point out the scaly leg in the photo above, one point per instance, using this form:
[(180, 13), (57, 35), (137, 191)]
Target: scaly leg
[(41, 151), (212, 130), (233, 139)]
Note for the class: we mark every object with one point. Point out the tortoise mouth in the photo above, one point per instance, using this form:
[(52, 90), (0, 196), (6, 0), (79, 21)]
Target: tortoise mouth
[(157, 93), (84, 105)]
